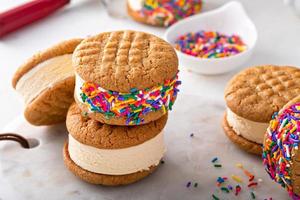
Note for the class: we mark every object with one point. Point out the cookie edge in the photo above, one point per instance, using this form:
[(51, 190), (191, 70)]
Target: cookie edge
[(242, 143)]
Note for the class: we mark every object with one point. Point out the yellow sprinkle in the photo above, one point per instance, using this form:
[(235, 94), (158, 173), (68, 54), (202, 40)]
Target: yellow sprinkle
[(125, 102), (236, 178), (274, 124), (239, 165), (164, 109), (293, 129), (240, 48), (139, 110), (110, 99), (167, 91)]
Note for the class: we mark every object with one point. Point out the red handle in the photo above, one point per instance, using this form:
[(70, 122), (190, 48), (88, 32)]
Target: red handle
[(27, 13)]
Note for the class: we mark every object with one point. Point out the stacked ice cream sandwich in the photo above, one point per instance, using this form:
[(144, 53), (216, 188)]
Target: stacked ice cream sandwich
[(126, 82)]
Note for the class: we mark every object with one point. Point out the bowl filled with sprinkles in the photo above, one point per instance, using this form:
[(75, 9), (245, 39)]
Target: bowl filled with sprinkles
[(216, 41)]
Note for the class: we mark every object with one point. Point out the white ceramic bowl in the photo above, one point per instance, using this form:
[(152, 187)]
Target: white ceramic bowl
[(229, 19), (295, 4)]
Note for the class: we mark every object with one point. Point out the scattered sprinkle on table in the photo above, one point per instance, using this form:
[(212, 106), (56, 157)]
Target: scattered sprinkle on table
[(252, 184), (210, 44), (225, 189), (188, 184), (239, 165), (217, 165), (214, 160), (192, 135), (162, 162), (224, 184), (196, 184), (238, 189), (237, 178), (252, 195), (221, 180), (215, 197)]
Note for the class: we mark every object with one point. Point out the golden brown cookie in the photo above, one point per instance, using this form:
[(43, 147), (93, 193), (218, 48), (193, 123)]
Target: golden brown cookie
[(257, 92), (102, 179), (46, 82), (291, 102), (244, 144), (104, 136), (281, 155), (112, 155), (254, 94), (162, 13), (125, 77)]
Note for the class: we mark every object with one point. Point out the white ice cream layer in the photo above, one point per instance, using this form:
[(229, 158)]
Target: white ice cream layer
[(44, 76), (251, 130), (118, 161)]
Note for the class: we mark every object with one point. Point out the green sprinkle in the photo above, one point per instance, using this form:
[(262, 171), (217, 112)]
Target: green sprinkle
[(83, 97), (217, 165), (252, 195), (215, 197), (84, 114), (224, 189), (196, 184)]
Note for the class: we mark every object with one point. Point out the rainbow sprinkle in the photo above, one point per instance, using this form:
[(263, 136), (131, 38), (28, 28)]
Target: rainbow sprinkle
[(237, 178), (165, 13), (281, 144), (238, 189), (224, 184), (130, 105), (209, 44)]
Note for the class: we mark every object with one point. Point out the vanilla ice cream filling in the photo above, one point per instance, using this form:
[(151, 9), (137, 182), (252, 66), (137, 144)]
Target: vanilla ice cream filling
[(136, 5), (44, 76), (78, 83), (251, 130), (118, 161)]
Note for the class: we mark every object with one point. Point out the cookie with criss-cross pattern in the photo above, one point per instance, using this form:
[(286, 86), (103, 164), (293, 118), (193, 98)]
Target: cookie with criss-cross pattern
[(252, 96), (125, 77)]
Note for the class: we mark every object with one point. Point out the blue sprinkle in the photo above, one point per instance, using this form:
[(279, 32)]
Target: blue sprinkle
[(214, 160)]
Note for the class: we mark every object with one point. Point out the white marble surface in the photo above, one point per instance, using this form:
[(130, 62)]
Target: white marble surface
[(278, 43), (40, 173)]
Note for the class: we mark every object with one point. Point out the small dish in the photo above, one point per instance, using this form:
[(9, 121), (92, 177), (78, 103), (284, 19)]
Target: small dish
[(229, 19)]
